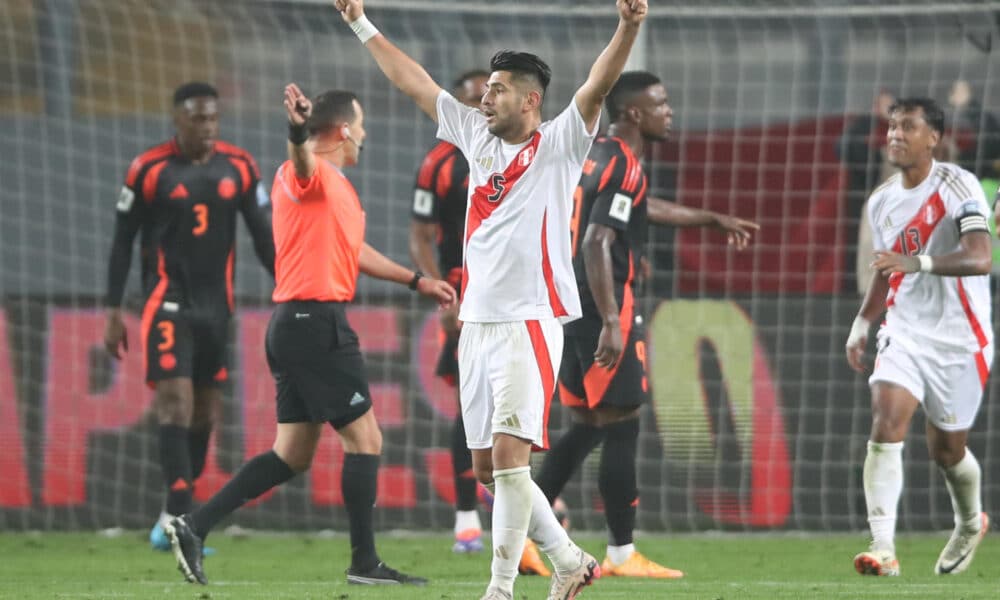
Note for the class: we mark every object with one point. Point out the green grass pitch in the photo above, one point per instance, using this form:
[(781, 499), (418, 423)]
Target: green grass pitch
[(718, 567)]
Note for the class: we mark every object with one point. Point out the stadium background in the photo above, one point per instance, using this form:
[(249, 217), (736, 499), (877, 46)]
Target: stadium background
[(757, 422)]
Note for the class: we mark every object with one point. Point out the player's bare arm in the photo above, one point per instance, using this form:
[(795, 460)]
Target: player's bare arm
[(975, 257), (871, 308), (375, 264), (611, 61), (404, 72), (738, 231), (423, 240), (298, 108), (597, 242)]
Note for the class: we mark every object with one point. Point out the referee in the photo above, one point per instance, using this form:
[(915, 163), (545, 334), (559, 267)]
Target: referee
[(319, 228)]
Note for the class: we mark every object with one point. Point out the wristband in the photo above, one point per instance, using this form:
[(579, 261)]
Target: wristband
[(859, 331), (364, 29), (413, 282), (297, 134), (926, 263)]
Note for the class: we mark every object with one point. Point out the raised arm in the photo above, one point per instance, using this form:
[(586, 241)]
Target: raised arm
[(298, 108), (611, 62), (404, 72)]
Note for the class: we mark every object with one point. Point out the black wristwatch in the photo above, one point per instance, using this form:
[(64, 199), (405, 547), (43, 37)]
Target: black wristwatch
[(413, 282)]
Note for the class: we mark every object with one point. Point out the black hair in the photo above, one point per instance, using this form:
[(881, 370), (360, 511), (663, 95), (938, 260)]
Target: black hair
[(472, 74), (330, 108), (522, 65), (933, 114), (629, 84), (194, 89)]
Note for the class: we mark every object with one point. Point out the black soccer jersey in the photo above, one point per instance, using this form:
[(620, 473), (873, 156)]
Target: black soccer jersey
[(440, 196), (611, 192), (187, 215)]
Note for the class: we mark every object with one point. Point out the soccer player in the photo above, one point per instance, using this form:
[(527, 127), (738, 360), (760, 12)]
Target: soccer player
[(319, 230), (931, 277), (438, 220), (603, 374), (517, 280), (184, 195)]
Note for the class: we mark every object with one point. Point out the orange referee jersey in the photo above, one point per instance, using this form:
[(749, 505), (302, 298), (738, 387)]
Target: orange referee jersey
[(319, 227)]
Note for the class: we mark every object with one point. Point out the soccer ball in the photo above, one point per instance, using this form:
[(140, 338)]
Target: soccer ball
[(562, 513)]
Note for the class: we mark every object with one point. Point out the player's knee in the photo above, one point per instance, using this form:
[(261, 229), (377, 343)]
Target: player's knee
[(946, 457), (173, 407)]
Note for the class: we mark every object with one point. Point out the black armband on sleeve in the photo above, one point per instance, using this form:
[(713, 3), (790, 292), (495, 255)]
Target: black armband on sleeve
[(971, 222)]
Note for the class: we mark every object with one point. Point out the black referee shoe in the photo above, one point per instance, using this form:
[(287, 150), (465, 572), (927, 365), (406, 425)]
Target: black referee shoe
[(382, 574), (187, 547)]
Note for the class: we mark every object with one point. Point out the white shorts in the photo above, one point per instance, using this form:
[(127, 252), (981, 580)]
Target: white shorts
[(948, 383), (507, 373)]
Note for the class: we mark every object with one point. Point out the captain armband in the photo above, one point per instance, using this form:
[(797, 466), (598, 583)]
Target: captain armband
[(970, 222)]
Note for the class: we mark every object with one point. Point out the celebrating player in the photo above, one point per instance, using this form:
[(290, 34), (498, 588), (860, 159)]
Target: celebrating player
[(184, 195), (438, 219), (931, 277), (517, 281), (319, 230), (603, 375)]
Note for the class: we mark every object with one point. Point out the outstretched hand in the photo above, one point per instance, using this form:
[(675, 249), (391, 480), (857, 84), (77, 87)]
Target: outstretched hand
[(297, 105), (350, 10), (738, 231), (632, 12)]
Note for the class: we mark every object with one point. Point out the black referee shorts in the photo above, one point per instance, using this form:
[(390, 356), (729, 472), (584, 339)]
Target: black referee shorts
[(316, 361)]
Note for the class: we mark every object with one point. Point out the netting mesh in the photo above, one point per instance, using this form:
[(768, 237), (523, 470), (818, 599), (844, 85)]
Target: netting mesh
[(756, 419)]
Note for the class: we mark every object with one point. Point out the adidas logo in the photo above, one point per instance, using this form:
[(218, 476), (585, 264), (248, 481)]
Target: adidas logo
[(357, 399), (180, 192), (512, 421)]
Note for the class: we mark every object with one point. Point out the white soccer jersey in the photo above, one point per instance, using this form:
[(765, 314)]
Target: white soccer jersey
[(517, 257), (947, 312)]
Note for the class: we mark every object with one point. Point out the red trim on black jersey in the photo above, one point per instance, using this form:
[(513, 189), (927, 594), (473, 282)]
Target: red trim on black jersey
[(445, 176), (234, 150), (164, 150), (430, 164), (151, 180), (607, 173), (153, 304)]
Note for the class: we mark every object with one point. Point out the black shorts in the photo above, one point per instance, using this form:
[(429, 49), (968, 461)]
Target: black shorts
[(316, 361), (447, 364), (182, 343), (584, 384)]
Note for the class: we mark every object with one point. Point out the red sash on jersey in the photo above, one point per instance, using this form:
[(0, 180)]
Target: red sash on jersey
[(487, 197), (915, 235)]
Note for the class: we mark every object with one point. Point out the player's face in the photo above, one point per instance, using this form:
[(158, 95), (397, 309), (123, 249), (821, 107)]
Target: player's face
[(505, 104), (655, 114), (910, 139), (472, 91), (197, 124), (356, 129)]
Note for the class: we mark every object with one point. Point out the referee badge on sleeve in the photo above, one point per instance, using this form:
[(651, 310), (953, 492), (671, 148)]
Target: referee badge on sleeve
[(423, 203), (621, 207)]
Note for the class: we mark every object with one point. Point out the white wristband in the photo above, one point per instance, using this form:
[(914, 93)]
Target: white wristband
[(859, 331), (364, 29), (926, 263)]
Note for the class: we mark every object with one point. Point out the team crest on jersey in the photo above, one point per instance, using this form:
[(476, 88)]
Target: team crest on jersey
[(930, 214), (524, 158), (485, 162)]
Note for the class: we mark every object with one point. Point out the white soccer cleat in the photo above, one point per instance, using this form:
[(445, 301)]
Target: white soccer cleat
[(496, 594), (881, 563), (961, 547), (565, 586)]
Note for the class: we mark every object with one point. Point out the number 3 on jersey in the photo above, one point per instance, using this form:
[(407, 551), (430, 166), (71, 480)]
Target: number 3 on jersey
[(201, 216)]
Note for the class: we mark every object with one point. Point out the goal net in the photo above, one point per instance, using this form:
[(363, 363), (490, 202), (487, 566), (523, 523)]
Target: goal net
[(756, 420)]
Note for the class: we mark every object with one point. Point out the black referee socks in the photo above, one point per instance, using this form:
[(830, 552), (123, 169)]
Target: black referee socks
[(358, 483)]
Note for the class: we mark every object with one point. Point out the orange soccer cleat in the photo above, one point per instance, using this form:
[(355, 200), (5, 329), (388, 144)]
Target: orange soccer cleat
[(637, 565), (531, 561)]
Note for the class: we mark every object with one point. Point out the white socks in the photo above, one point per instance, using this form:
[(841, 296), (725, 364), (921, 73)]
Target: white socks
[(619, 554), (467, 519), (963, 484), (545, 529), (883, 481), (511, 513)]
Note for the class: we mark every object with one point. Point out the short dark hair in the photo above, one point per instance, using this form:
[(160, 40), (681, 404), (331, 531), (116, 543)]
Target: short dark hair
[(629, 84), (471, 74), (329, 108), (194, 89), (932, 112), (522, 65)]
